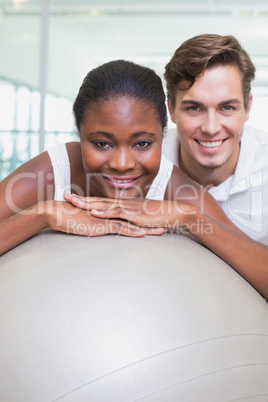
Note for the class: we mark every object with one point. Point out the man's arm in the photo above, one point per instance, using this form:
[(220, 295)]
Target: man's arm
[(248, 257)]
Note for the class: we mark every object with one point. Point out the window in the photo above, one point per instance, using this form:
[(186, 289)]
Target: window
[(19, 124)]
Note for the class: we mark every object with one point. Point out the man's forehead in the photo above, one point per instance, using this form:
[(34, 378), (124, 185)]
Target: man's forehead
[(218, 81)]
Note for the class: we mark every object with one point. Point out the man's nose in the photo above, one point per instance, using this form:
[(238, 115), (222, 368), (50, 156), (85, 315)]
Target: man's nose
[(211, 124)]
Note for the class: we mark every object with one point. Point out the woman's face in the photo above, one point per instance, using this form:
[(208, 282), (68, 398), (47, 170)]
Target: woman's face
[(121, 147)]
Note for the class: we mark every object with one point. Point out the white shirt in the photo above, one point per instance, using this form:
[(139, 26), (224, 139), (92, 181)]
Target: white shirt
[(244, 195)]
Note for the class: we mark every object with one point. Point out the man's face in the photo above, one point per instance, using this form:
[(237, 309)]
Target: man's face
[(210, 117)]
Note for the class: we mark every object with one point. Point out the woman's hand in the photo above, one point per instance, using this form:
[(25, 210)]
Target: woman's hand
[(141, 212), (65, 217)]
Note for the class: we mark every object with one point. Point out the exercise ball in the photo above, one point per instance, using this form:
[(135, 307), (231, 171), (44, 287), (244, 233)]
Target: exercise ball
[(111, 318)]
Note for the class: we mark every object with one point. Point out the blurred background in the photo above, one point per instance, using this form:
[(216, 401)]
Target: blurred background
[(47, 47)]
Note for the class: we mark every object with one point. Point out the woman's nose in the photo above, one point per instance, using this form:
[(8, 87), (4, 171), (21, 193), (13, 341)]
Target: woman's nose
[(122, 159)]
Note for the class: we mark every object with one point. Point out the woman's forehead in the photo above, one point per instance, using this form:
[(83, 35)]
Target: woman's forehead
[(125, 115), (123, 106), (119, 99)]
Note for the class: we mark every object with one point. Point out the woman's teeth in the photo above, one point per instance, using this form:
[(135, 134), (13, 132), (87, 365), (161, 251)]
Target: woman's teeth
[(121, 181)]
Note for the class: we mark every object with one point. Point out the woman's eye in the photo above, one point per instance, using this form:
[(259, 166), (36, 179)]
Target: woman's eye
[(102, 144), (142, 144)]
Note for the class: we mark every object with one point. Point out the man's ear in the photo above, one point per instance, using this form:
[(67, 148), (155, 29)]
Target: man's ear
[(171, 112), (249, 107)]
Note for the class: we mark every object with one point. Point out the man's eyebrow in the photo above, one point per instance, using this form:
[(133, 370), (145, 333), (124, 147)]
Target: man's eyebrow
[(227, 102), (223, 103), (192, 102)]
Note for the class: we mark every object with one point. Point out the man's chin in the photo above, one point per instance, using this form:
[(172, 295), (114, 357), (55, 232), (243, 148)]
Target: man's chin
[(211, 167), (210, 164)]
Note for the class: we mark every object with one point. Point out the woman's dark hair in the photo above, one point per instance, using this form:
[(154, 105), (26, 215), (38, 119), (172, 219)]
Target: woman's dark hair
[(205, 51), (118, 78)]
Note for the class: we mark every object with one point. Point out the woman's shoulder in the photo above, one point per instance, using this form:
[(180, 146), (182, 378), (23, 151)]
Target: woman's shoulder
[(76, 163), (181, 185), (74, 153), (73, 147)]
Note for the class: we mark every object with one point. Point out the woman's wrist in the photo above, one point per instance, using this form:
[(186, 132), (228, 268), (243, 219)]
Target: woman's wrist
[(44, 213)]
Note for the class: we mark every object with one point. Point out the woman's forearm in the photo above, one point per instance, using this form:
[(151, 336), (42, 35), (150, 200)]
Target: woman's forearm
[(19, 227)]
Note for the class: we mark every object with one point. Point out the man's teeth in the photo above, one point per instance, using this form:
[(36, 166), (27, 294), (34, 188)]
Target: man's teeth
[(210, 144)]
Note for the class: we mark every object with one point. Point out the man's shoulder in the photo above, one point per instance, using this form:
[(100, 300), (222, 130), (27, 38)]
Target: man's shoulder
[(170, 145), (253, 151), (170, 134), (253, 135)]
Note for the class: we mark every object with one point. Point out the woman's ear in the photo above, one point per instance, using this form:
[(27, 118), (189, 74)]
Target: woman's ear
[(171, 112)]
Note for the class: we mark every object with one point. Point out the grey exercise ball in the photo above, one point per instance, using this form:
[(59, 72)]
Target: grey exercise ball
[(128, 319)]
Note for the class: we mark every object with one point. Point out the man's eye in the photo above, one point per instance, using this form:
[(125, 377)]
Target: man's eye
[(142, 144), (102, 144), (194, 108), (228, 107)]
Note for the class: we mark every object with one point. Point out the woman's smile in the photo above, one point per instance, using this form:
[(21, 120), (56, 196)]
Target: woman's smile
[(124, 182), (121, 147)]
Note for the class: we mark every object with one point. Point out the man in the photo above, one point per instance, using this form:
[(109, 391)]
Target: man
[(208, 84)]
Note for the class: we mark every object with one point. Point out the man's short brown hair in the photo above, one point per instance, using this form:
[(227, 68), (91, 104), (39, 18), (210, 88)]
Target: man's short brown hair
[(205, 51)]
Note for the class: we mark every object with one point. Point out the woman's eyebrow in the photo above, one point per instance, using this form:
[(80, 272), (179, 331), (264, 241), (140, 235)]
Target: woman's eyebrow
[(98, 132), (110, 135), (139, 133)]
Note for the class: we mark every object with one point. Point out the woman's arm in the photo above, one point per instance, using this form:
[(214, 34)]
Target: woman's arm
[(27, 206), (20, 193), (61, 216), (19, 227)]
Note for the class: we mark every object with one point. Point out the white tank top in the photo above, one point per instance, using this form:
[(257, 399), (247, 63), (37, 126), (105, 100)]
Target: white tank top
[(62, 174)]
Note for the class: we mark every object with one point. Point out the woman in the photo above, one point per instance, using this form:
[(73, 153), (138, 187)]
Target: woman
[(120, 114)]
